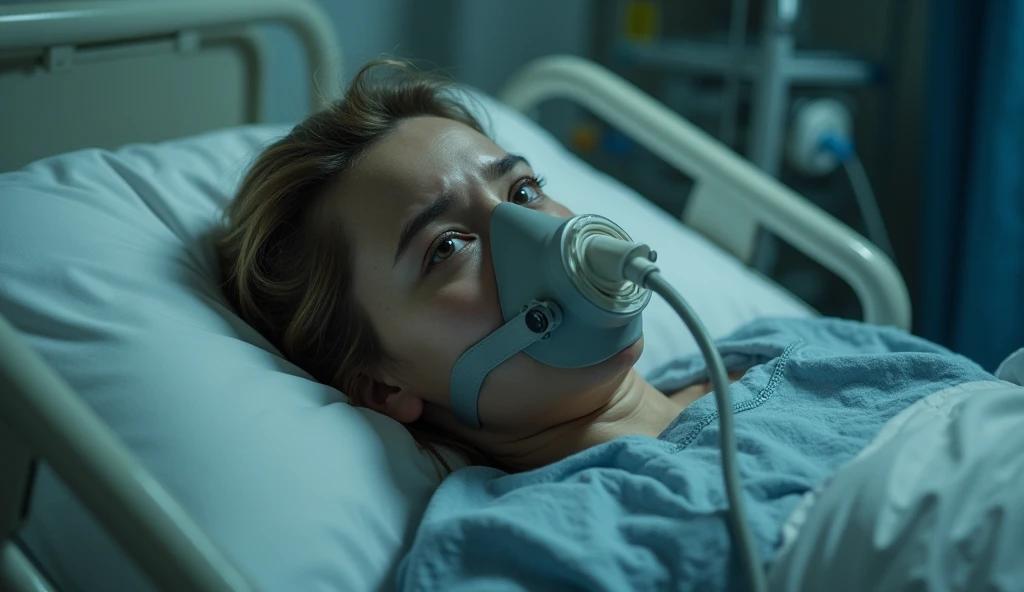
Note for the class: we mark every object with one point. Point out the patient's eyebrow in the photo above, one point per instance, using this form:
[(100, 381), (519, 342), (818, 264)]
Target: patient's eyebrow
[(421, 220), (493, 171), (497, 169)]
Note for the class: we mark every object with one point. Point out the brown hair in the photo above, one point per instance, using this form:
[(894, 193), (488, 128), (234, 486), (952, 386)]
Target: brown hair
[(286, 272)]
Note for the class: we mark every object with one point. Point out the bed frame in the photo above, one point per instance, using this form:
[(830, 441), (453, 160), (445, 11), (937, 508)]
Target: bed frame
[(90, 74)]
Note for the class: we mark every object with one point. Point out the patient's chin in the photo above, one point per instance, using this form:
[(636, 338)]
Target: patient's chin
[(624, 359), (632, 353)]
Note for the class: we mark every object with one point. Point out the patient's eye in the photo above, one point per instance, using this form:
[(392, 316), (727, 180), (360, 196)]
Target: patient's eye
[(527, 190), (445, 247)]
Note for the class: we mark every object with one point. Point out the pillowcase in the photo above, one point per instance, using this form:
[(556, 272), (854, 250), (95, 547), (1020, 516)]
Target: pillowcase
[(108, 271)]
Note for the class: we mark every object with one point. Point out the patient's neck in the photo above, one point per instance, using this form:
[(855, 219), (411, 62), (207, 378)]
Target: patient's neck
[(635, 408)]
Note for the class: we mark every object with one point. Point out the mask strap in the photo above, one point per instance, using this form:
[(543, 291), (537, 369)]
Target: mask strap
[(537, 321)]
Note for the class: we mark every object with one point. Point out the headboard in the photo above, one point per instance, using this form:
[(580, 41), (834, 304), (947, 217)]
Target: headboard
[(76, 75), (92, 74)]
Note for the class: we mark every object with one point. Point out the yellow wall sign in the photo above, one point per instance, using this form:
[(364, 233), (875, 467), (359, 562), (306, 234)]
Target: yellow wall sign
[(642, 20)]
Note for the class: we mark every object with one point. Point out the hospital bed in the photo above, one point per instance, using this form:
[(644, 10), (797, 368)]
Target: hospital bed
[(129, 456)]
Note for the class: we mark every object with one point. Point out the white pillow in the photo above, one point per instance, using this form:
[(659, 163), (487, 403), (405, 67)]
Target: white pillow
[(108, 272), (1012, 368)]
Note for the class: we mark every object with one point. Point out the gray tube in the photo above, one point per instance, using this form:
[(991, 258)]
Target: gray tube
[(742, 538)]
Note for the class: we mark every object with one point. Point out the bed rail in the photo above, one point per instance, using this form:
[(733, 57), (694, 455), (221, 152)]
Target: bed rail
[(59, 26), (732, 199), (41, 417)]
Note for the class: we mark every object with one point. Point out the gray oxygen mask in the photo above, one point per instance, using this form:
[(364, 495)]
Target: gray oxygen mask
[(571, 295), (557, 309)]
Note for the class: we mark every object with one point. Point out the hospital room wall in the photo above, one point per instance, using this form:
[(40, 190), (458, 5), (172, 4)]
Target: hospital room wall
[(479, 42)]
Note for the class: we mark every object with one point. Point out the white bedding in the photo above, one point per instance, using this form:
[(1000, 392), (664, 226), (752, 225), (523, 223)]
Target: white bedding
[(932, 503), (107, 270)]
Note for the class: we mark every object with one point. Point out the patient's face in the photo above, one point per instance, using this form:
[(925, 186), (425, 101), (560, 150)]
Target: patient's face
[(438, 296)]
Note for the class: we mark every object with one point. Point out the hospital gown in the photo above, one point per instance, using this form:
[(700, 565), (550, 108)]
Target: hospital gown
[(640, 513)]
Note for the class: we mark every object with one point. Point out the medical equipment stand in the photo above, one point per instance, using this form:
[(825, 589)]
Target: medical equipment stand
[(775, 67)]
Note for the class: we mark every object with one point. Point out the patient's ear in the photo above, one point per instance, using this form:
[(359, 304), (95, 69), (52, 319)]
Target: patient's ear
[(393, 401)]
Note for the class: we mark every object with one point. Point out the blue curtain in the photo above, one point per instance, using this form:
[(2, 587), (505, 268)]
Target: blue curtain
[(972, 200)]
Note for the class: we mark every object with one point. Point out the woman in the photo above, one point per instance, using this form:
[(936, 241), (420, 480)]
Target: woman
[(358, 244)]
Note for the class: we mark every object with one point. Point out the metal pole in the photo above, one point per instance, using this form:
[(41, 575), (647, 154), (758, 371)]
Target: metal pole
[(771, 96)]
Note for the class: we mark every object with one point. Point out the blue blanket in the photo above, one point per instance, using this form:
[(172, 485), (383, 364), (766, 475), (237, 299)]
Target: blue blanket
[(641, 513)]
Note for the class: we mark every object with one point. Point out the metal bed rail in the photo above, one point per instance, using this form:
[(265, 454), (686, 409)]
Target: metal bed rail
[(732, 199), (41, 418), (61, 27)]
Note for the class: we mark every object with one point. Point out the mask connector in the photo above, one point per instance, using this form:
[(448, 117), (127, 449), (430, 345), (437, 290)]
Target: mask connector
[(537, 321)]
